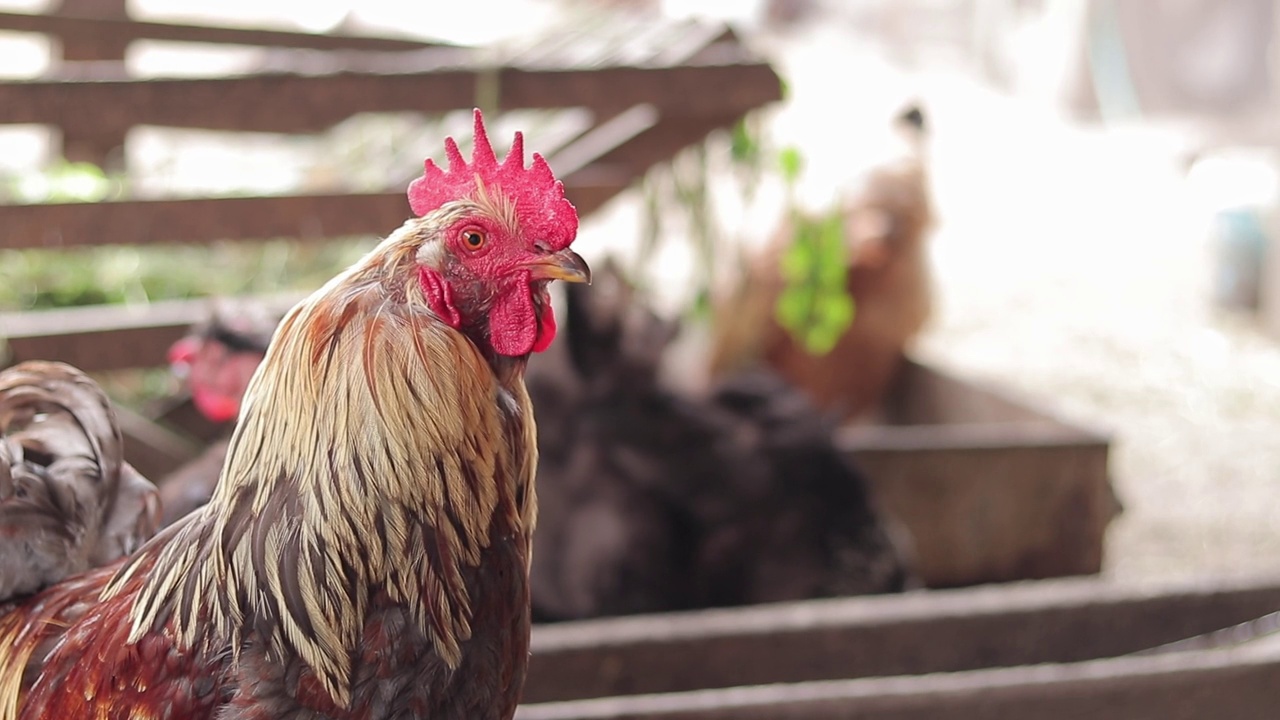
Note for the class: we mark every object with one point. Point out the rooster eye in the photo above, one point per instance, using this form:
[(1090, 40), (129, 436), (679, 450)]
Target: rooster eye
[(473, 239)]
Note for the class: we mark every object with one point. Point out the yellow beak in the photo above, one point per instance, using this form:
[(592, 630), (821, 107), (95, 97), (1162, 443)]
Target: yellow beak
[(565, 265)]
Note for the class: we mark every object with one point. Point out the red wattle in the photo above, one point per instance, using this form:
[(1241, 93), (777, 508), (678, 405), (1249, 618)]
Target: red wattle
[(513, 325), (546, 329)]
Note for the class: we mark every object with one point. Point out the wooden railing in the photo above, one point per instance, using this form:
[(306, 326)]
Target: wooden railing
[(649, 92)]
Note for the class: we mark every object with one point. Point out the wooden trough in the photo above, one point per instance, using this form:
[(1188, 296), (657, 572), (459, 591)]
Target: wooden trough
[(1047, 650), (991, 488)]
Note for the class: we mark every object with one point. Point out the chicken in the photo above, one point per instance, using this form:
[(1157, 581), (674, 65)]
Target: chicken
[(886, 227), (654, 500), (215, 361), (68, 501), (366, 552), (217, 358)]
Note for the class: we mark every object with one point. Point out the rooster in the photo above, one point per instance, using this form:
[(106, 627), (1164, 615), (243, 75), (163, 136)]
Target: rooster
[(366, 552), (68, 500)]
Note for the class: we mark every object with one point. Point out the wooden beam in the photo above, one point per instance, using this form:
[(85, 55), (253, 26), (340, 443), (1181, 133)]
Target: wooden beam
[(121, 31), (114, 337), (319, 91), (202, 220), (152, 449), (640, 137), (909, 634), (101, 338), (1212, 684), (84, 138)]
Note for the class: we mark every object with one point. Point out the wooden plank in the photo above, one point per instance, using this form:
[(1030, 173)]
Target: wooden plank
[(909, 634), (203, 220), (113, 337), (1010, 435), (1223, 685), (116, 31), (101, 338), (605, 137), (992, 513), (652, 137), (991, 488), (84, 139), (152, 450), (179, 413), (318, 92)]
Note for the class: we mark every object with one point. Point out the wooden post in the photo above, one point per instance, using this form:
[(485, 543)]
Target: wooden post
[(85, 138)]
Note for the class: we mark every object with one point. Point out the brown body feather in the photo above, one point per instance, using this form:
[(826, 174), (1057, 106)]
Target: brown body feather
[(366, 552)]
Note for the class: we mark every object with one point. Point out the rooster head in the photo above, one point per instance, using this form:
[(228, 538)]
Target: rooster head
[(493, 235)]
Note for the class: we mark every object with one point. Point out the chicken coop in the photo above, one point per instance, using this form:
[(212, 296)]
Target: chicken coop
[(995, 490)]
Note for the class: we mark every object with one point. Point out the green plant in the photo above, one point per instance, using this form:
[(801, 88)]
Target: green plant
[(814, 305), (34, 279), (66, 182)]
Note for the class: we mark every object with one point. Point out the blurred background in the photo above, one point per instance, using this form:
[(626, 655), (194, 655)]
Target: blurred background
[(890, 296), (1102, 173)]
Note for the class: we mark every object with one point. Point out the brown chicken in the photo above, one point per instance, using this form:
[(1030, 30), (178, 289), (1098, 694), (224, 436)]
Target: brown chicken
[(366, 552), (68, 501), (886, 227)]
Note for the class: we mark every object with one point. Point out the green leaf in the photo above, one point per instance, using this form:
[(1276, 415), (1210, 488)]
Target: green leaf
[(798, 260), (790, 163), (830, 269), (701, 308), (794, 307), (65, 182), (815, 306), (743, 146)]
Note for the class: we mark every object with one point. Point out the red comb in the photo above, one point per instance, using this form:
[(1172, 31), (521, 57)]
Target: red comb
[(544, 213)]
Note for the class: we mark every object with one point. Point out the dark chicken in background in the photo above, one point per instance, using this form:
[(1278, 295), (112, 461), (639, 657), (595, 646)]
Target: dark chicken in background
[(887, 226), (215, 361), (653, 500), (217, 357), (366, 552), (68, 500)]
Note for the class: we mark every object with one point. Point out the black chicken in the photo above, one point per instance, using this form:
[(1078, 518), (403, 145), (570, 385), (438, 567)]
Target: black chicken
[(651, 500)]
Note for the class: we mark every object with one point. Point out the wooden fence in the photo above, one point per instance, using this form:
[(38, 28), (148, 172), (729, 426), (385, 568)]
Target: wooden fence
[(650, 91)]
